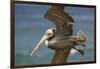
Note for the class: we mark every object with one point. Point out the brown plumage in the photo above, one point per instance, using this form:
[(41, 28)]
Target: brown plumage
[(62, 20)]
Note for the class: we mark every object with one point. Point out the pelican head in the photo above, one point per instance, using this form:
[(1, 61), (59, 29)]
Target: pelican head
[(49, 34)]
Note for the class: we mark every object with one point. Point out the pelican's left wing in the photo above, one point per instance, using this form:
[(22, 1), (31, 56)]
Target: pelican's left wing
[(62, 20)]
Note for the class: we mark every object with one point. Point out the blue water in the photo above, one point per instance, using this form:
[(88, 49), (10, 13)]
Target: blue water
[(30, 25)]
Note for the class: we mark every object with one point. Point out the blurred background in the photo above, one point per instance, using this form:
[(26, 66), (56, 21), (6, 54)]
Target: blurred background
[(30, 26)]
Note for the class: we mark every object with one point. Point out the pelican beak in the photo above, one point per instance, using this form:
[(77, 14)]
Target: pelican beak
[(45, 37)]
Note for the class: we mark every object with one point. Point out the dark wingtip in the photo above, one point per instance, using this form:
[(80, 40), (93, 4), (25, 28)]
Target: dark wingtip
[(81, 51)]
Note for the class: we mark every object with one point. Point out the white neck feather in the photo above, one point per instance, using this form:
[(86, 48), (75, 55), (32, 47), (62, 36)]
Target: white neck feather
[(46, 42)]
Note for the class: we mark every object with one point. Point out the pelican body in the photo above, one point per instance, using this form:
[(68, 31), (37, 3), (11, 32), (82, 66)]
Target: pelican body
[(50, 40)]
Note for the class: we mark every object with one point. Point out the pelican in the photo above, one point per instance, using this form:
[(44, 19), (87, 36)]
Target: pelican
[(61, 38), (79, 38)]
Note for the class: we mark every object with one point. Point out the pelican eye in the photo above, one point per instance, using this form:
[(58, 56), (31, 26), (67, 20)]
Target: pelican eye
[(49, 34)]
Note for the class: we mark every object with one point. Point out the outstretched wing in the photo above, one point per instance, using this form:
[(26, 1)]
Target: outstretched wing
[(61, 19)]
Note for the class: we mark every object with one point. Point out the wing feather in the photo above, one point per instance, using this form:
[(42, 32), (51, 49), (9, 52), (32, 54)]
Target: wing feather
[(61, 19)]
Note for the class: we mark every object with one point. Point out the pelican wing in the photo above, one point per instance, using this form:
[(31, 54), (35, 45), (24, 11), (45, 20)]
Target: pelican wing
[(61, 19)]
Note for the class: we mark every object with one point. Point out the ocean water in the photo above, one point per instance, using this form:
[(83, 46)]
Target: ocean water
[(30, 25)]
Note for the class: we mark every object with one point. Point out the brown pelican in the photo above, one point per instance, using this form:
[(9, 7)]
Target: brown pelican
[(79, 38), (61, 38)]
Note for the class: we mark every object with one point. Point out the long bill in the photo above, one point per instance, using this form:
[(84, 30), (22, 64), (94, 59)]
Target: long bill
[(39, 44)]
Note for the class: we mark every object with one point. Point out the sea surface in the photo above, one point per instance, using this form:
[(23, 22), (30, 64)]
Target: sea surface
[(30, 26)]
